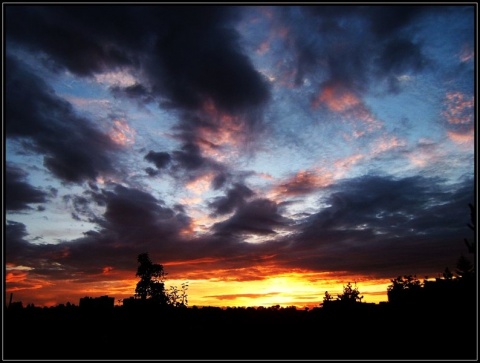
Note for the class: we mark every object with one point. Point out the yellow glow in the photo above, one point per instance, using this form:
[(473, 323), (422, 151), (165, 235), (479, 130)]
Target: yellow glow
[(295, 289), (218, 287)]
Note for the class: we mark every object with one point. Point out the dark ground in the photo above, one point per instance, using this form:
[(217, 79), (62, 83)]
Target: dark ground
[(371, 332)]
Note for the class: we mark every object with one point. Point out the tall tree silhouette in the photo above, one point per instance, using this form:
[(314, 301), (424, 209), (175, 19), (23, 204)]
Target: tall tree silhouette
[(464, 268), (152, 277)]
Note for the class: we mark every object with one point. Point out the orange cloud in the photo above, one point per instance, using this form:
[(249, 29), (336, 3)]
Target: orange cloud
[(336, 98), (106, 270), (15, 277)]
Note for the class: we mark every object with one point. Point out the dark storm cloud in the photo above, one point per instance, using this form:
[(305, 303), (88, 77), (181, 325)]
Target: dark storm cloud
[(80, 205), (387, 20), (356, 45), (131, 211), (159, 159), (71, 37), (220, 180), (200, 56), (392, 205), (400, 56), (235, 198), (260, 216), (18, 192), (74, 150), (15, 234), (189, 157), (133, 222), (137, 92), (374, 225), (182, 57), (188, 54)]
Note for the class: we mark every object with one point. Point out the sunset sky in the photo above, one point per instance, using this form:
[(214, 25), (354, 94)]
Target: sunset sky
[(264, 154)]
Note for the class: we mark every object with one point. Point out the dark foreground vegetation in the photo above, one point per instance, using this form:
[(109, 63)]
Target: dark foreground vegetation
[(353, 331)]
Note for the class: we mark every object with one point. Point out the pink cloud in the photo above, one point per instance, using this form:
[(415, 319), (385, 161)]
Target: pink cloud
[(342, 166), (466, 54), (121, 133), (462, 138), (201, 184), (459, 108), (225, 134), (263, 48), (304, 182), (336, 98), (385, 143)]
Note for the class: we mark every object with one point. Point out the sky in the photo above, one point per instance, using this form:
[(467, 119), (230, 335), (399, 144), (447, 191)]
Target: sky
[(264, 154)]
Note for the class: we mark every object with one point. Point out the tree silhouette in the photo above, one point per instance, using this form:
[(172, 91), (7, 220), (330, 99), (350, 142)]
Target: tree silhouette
[(404, 289), (152, 277), (407, 282), (464, 268), (350, 294), (176, 297), (447, 274), (327, 298)]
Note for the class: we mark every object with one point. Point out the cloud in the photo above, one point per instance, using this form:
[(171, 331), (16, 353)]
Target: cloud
[(74, 149), (372, 226), (260, 216), (177, 49), (235, 198), (179, 57), (304, 182), (121, 133), (159, 159), (458, 108), (132, 222), (381, 225), (18, 192), (356, 45)]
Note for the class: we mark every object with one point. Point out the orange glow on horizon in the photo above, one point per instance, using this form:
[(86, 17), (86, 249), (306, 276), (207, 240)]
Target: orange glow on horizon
[(219, 287)]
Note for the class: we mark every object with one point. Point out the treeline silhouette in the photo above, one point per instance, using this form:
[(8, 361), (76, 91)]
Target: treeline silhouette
[(432, 320)]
